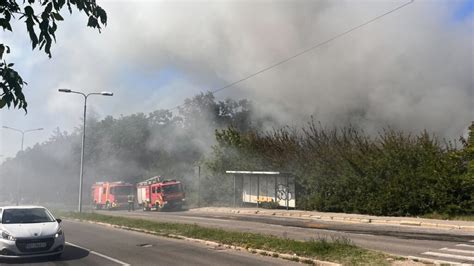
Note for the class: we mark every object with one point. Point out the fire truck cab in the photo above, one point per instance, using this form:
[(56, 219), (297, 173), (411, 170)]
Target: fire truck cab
[(157, 194), (111, 195)]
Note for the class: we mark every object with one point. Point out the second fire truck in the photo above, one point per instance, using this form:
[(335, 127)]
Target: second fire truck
[(158, 194)]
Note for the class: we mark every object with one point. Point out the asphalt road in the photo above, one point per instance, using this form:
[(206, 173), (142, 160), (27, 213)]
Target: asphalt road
[(442, 244), (90, 244)]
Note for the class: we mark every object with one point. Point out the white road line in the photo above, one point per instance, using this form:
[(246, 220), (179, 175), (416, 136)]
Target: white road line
[(451, 256), (100, 255), (465, 245), (471, 241), (437, 262), (458, 250)]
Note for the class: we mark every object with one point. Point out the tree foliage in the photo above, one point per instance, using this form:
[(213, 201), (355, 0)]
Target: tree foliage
[(337, 169), (128, 148), (41, 19), (345, 170)]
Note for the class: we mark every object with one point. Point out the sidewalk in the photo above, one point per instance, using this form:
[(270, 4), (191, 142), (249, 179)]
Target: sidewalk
[(346, 218)]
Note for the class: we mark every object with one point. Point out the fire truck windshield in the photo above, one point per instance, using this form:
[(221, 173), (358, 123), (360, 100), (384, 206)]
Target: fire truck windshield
[(122, 190), (167, 189)]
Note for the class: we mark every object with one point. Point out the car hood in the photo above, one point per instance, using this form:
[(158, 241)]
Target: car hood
[(31, 230)]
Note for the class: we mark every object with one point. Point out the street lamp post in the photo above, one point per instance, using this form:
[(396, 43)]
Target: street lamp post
[(23, 132), (81, 174)]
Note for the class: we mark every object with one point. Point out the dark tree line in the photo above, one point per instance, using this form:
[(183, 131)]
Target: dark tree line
[(337, 169), (127, 148), (345, 170)]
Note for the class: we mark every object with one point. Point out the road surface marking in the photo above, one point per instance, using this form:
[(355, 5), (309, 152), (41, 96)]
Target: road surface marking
[(459, 250), (451, 256), (100, 254), (433, 261), (471, 241), (465, 245)]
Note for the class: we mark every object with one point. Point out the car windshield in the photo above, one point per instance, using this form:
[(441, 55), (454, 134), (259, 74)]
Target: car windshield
[(20, 216), (171, 188)]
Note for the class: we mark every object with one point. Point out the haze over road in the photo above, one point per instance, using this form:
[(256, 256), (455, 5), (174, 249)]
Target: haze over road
[(90, 244), (406, 241)]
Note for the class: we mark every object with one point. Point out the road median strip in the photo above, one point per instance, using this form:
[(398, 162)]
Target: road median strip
[(315, 252)]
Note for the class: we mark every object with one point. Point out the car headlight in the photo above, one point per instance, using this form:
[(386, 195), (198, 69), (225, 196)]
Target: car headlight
[(7, 236), (59, 233)]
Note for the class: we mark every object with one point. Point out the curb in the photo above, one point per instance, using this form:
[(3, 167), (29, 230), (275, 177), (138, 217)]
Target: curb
[(261, 252), (346, 219)]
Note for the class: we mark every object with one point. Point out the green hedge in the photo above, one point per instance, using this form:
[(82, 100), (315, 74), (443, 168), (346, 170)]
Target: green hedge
[(345, 170)]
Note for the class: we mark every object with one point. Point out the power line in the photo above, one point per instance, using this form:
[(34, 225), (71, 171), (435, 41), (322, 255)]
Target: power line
[(307, 50)]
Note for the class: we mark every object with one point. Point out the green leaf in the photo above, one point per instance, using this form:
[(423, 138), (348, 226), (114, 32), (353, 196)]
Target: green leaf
[(2, 49), (5, 24), (56, 5), (29, 11), (44, 25), (61, 3), (41, 39), (7, 15), (92, 22), (47, 48), (69, 6), (49, 8), (52, 31), (31, 31), (42, 43), (2, 103), (57, 16), (102, 15)]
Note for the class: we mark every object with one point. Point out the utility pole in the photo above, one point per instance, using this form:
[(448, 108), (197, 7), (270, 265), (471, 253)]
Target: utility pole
[(199, 186), (81, 173)]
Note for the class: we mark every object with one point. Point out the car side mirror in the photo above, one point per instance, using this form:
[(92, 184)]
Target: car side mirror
[(59, 220)]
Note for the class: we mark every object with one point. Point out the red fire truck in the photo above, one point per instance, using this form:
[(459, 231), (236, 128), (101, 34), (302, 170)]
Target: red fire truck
[(111, 195), (158, 194)]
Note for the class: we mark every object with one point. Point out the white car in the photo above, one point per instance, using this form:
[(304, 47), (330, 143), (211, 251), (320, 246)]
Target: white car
[(29, 231)]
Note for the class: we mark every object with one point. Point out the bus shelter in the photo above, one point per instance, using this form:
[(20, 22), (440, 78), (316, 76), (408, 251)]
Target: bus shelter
[(258, 187)]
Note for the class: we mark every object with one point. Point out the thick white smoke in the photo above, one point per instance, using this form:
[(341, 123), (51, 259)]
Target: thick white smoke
[(411, 70)]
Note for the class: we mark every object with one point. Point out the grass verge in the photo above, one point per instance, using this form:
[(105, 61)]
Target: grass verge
[(469, 218), (334, 250)]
